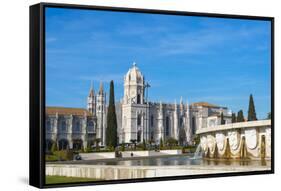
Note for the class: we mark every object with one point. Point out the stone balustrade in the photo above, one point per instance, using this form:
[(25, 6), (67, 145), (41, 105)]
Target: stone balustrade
[(244, 140)]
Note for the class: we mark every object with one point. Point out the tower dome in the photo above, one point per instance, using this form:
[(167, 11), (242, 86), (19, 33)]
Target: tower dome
[(134, 75), (134, 86)]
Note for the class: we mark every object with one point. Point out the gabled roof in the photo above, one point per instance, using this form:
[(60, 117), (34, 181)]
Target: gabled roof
[(67, 111)]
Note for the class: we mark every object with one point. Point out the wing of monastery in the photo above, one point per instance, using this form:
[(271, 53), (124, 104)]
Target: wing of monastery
[(138, 119)]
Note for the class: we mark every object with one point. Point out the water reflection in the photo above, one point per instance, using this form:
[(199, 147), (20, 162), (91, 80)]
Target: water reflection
[(178, 160)]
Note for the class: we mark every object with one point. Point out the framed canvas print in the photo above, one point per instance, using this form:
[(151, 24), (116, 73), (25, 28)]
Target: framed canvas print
[(127, 95)]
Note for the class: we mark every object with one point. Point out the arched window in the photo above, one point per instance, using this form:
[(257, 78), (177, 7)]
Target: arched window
[(152, 136), (63, 126), (48, 126), (77, 144), (138, 99), (139, 119), (90, 126), (181, 121), (167, 126), (193, 125), (49, 144), (63, 144), (151, 120), (77, 126), (139, 136)]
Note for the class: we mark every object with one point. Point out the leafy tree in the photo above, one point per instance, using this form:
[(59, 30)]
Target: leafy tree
[(240, 116), (111, 130), (222, 119), (251, 111), (233, 118)]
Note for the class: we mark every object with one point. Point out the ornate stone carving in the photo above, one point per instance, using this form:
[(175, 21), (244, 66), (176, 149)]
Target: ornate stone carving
[(203, 142), (251, 138), (234, 139), (220, 139), (211, 142)]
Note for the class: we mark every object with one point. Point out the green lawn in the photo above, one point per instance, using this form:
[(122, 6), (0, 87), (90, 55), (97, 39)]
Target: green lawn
[(64, 179)]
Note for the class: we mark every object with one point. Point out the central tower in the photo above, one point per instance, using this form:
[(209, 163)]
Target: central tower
[(134, 108), (134, 86)]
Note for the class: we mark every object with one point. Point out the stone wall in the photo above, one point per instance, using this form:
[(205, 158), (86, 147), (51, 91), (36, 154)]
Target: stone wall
[(109, 172)]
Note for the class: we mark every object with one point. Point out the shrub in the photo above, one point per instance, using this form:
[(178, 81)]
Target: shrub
[(143, 145), (123, 147), (64, 155), (88, 149), (161, 143), (51, 158), (171, 142), (110, 149), (54, 147)]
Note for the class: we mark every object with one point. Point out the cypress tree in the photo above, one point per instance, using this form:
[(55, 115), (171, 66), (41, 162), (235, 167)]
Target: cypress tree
[(222, 119), (252, 111), (240, 116), (111, 130), (233, 118)]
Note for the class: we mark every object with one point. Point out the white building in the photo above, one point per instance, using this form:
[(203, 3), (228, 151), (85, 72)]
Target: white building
[(138, 119)]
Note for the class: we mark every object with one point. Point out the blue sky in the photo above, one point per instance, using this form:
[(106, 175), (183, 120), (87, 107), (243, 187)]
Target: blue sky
[(221, 61)]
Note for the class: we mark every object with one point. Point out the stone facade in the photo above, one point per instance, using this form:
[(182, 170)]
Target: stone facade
[(138, 119), (77, 128)]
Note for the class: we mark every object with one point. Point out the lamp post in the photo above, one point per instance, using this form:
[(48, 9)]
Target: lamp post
[(146, 86)]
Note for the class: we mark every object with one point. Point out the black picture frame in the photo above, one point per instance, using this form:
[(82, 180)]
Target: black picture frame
[(37, 92)]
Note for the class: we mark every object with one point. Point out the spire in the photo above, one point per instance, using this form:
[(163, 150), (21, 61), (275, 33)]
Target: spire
[(176, 104), (187, 107), (186, 103), (181, 104), (91, 94), (134, 64), (101, 88)]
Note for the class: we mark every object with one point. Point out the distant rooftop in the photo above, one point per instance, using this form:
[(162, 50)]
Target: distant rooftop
[(66, 111), (206, 104)]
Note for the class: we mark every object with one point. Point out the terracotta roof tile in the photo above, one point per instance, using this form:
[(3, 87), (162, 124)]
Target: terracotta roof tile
[(206, 104), (66, 111)]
